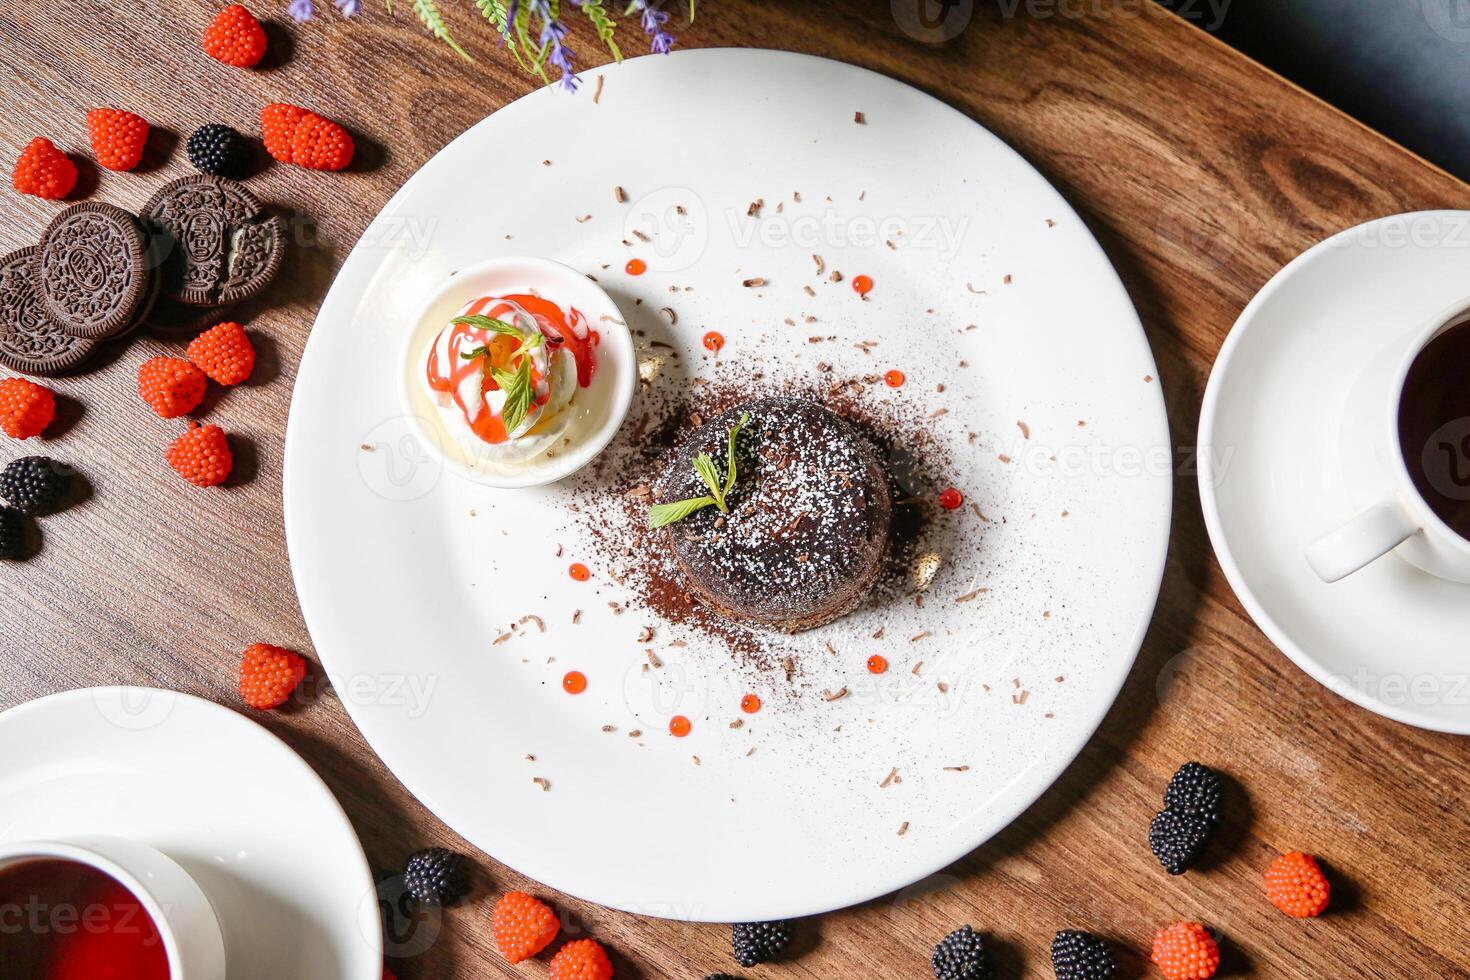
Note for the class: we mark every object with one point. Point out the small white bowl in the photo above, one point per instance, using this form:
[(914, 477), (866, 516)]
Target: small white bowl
[(185, 920), (599, 408)]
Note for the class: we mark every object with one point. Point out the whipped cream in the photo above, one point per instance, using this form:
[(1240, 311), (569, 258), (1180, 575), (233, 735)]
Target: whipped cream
[(471, 404)]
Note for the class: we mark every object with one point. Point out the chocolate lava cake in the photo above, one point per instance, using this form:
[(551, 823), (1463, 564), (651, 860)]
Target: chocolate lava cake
[(809, 515)]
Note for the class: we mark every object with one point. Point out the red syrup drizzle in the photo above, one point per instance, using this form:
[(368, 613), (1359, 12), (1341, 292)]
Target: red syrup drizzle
[(559, 330), (67, 921)]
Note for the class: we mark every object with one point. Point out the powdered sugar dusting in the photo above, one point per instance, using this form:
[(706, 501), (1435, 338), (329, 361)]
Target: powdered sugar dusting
[(808, 517)]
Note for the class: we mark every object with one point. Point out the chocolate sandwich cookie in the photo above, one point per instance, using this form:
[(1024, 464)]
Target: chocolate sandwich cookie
[(222, 246), (92, 270), (30, 341)]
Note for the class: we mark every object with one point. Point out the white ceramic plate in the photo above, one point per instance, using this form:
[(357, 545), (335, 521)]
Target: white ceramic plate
[(407, 574), (251, 822), (1390, 637)]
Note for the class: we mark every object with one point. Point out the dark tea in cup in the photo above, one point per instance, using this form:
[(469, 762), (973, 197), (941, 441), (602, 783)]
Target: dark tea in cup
[(64, 920), (1434, 426)]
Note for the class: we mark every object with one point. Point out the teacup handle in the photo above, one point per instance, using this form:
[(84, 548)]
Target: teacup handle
[(1363, 540)]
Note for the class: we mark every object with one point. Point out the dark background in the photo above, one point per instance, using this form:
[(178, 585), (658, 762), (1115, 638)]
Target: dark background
[(1401, 66)]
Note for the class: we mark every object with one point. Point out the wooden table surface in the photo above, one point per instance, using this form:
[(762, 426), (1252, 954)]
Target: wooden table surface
[(1201, 173)]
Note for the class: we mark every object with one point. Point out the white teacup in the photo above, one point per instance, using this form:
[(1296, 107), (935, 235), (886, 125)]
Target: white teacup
[(182, 914), (1394, 515)]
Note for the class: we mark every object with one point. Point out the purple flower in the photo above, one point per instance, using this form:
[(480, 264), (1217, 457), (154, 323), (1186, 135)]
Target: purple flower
[(512, 10), (301, 11), (349, 8), (558, 54), (654, 17)]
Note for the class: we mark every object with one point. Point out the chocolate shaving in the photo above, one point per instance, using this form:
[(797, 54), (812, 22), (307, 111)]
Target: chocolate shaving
[(540, 623), (837, 695), (889, 779), (545, 784), (597, 90), (752, 283), (858, 118), (619, 195)]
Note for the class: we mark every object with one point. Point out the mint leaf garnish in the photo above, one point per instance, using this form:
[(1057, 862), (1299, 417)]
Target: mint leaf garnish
[(660, 515), (489, 323), (518, 392), (515, 383)]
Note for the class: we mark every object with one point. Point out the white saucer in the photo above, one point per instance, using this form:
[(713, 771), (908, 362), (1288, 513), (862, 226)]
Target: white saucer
[(251, 822), (1389, 638)]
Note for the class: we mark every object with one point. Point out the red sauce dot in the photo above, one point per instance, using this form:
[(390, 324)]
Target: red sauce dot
[(951, 499), (894, 378), (575, 682), (877, 664), (750, 704), (679, 726), (862, 285), (579, 572), (635, 267), (714, 341)]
